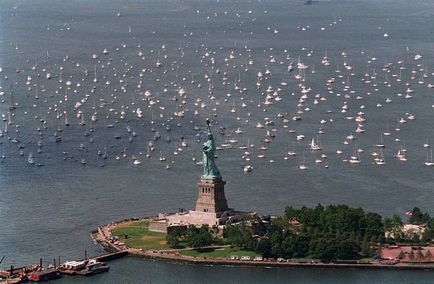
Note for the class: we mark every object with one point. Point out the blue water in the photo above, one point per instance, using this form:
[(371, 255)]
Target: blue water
[(49, 211)]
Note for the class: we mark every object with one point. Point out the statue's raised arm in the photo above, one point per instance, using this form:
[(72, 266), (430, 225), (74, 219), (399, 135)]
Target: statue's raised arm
[(210, 170)]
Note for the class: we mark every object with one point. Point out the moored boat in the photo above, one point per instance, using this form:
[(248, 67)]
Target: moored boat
[(94, 267)]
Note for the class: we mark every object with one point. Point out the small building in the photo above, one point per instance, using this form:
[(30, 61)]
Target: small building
[(409, 231)]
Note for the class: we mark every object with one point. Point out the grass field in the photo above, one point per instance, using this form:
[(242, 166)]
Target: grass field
[(139, 236), (222, 252)]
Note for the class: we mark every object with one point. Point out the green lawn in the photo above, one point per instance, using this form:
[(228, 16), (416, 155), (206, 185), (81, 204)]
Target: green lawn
[(222, 252), (139, 236)]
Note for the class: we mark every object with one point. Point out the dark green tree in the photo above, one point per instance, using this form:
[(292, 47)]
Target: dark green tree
[(418, 217), (264, 247)]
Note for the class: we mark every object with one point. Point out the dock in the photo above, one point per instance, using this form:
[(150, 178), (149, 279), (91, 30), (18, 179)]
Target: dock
[(111, 256), (36, 272)]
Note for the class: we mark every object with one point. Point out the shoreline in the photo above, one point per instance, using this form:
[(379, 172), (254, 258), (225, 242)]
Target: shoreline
[(103, 233)]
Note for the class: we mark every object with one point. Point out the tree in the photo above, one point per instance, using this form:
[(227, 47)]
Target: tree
[(430, 227), (174, 235), (418, 217), (295, 245), (325, 249), (301, 245), (291, 213), (201, 240), (264, 247), (419, 255), (346, 249), (198, 237), (374, 225), (430, 224), (276, 245), (401, 255), (334, 232), (415, 238), (366, 247), (410, 255), (172, 241), (393, 226)]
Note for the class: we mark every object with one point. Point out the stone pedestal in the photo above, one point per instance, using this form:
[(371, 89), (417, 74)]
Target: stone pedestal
[(211, 197)]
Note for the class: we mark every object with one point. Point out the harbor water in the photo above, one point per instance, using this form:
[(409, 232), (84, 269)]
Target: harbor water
[(59, 182)]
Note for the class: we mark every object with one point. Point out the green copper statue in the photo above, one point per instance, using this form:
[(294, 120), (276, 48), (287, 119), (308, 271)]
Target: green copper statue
[(210, 170)]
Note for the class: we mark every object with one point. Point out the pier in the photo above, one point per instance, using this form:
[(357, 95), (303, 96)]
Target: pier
[(111, 256), (36, 272)]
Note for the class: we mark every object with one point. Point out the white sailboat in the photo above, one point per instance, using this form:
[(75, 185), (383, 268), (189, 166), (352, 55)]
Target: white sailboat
[(302, 165), (136, 161), (292, 152), (355, 158), (401, 155), (95, 80), (314, 146), (387, 132), (30, 159), (380, 160), (429, 162), (162, 158), (381, 144)]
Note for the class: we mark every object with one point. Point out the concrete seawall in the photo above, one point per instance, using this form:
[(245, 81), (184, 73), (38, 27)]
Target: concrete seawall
[(103, 234)]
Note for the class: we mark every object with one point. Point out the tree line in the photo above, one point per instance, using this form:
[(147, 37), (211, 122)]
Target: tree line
[(326, 233)]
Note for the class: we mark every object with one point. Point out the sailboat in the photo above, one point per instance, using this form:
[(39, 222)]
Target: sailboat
[(136, 161), (387, 132), (381, 145), (95, 80), (148, 154), (30, 159), (379, 160), (314, 146), (426, 145), (12, 105), (104, 156), (292, 152), (302, 165), (429, 162), (325, 61), (162, 158), (246, 147), (401, 155), (66, 118), (355, 158)]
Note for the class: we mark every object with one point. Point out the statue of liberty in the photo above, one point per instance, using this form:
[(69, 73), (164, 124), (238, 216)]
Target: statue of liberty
[(210, 170)]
